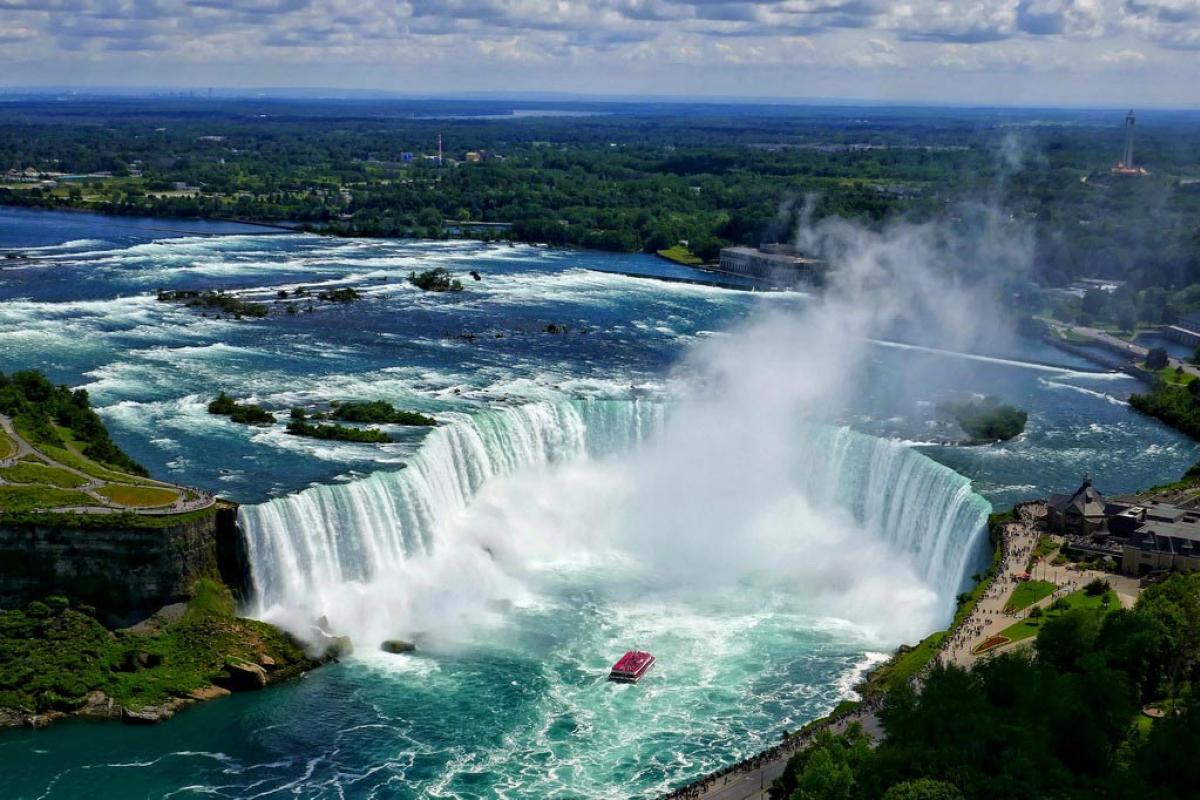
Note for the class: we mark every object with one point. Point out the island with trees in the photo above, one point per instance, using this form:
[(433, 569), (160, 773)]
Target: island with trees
[(986, 419)]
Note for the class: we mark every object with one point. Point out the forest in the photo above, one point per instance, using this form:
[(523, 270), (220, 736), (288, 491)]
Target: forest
[(1064, 721), (625, 176)]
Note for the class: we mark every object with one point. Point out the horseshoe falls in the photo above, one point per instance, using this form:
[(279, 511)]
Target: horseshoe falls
[(400, 548)]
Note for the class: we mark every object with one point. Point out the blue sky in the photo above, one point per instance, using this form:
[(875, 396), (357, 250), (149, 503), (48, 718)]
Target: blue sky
[(1078, 52)]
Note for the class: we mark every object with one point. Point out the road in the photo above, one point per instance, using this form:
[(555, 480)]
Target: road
[(1135, 352)]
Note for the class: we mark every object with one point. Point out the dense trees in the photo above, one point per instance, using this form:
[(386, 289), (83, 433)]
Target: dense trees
[(1060, 722), (50, 414), (638, 177)]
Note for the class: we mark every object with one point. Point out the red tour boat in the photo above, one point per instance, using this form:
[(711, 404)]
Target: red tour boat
[(631, 667)]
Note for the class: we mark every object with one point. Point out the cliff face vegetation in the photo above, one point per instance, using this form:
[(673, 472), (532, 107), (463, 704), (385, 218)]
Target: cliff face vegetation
[(118, 590), (57, 659)]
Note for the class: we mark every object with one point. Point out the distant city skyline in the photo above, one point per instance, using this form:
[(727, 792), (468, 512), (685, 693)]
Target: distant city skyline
[(1107, 53)]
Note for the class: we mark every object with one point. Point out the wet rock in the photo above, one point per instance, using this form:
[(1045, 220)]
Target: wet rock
[(397, 646), (98, 705), (152, 715), (243, 676), (208, 693), (338, 647)]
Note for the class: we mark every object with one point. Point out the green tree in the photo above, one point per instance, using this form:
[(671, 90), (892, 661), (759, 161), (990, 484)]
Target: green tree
[(1064, 640), (923, 789)]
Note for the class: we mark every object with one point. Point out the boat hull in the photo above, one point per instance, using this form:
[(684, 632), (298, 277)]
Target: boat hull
[(632, 667)]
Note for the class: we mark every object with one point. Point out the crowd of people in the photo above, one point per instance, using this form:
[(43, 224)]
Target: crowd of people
[(1016, 552)]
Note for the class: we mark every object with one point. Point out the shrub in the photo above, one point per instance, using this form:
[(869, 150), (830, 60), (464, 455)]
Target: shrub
[(379, 412), (245, 413), (435, 280), (1096, 587)]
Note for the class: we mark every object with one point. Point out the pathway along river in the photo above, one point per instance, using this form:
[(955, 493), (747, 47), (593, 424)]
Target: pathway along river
[(503, 545)]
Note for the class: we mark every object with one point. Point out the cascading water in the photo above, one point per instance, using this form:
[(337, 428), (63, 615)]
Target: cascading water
[(323, 549)]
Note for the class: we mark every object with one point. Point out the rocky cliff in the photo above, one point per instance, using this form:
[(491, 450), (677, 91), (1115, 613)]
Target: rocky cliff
[(127, 571)]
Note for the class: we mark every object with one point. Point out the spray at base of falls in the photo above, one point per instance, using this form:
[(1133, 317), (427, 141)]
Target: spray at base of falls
[(865, 526)]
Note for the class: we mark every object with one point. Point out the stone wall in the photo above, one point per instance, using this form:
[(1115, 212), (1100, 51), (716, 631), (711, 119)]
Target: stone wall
[(125, 572)]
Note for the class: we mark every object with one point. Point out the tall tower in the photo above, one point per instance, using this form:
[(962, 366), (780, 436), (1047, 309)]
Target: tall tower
[(440, 147), (1127, 155)]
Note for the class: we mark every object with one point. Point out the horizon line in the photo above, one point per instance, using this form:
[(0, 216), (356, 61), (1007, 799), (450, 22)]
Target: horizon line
[(532, 96)]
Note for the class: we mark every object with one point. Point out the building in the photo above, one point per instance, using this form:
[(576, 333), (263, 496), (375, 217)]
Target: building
[(1157, 537), (1082, 513), (1144, 536), (1185, 330), (776, 263)]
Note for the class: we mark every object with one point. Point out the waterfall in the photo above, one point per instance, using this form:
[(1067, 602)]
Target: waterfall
[(921, 507), (326, 536), (312, 548)]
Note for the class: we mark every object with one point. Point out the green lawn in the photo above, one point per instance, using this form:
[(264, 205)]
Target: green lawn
[(1028, 593), (138, 496), (28, 498), (72, 456), (1169, 376), (8, 447), (1027, 628), (681, 255), (33, 472)]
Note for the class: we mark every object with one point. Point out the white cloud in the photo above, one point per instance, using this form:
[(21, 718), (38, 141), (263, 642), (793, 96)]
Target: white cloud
[(616, 39)]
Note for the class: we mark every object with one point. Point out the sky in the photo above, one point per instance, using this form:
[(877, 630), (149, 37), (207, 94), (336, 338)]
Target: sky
[(1110, 53)]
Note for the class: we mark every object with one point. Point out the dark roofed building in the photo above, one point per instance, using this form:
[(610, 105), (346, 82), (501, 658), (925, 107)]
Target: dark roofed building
[(1185, 330), (1081, 512)]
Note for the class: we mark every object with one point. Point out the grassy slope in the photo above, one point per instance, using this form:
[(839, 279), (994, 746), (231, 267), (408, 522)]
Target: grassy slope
[(908, 662), (50, 487), (20, 499), (51, 656), (34, 472), (7, 446)]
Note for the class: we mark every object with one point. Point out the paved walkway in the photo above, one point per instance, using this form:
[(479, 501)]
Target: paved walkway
[(989, 618), (751, 779)]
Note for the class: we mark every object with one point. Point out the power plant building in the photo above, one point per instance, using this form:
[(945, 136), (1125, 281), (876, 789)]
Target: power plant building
[(775, 263)]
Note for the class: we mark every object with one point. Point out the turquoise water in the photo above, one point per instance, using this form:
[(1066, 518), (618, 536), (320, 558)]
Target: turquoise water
[(550, 524)]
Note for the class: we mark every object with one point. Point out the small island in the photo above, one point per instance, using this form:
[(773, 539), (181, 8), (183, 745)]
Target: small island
[(245, 413), (218, 301), (436, 280), (986, 419), (338, 433), (378, 412)]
